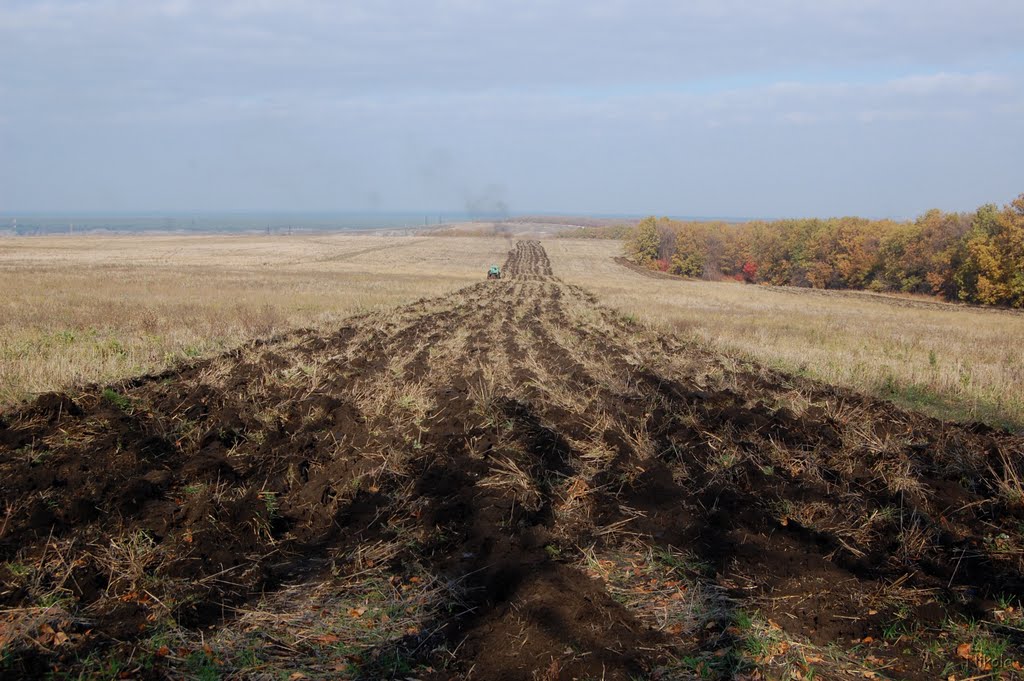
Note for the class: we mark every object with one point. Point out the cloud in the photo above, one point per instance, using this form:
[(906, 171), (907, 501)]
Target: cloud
[(366, 90), (460, 45), (951, 83)]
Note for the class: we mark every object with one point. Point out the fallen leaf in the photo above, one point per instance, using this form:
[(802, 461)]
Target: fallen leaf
[(357, 612), (964, 650), (163, 651)]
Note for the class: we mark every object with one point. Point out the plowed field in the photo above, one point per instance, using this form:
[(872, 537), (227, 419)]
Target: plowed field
[(511, 482)]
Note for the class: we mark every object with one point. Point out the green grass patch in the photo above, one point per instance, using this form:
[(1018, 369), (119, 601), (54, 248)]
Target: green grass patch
[(116, 399)]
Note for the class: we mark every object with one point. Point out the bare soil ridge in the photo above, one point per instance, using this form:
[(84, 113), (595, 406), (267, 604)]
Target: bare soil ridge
[(511, 482)]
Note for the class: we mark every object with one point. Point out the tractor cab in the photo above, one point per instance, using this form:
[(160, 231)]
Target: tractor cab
[(494, 272)]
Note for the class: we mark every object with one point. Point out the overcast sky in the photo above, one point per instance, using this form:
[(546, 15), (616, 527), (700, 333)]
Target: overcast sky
[(704, 107)]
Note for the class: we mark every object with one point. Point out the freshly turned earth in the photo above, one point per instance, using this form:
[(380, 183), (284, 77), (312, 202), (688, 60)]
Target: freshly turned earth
[(584, 498)]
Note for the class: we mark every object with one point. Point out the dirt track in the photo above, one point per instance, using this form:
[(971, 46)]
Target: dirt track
[(507, 483)]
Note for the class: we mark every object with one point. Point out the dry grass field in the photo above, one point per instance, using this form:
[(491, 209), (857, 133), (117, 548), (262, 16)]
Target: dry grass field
[(86, 309), (508, 481), (946, 360)]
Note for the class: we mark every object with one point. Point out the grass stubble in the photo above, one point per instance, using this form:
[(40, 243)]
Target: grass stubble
[(99, 309), (950, 361), (578, 414)]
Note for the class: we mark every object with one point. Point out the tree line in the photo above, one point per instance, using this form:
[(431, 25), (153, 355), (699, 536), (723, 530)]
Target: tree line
[(970, 257)]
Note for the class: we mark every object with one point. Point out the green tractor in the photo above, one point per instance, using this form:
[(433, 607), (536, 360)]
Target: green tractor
[(494, 272)]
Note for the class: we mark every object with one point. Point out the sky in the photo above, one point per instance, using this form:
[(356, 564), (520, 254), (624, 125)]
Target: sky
[(756, 108)]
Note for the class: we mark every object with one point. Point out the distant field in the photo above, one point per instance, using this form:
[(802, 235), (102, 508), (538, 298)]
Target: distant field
[(949, 361), (510, 478), (83, 309), (102, 308)]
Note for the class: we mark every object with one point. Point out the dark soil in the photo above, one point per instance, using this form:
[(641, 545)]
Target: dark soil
[(646, 271), (599, 502)]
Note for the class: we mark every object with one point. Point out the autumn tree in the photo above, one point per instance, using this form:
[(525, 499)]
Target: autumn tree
[(992, 271), (976, 258), (642, 245)]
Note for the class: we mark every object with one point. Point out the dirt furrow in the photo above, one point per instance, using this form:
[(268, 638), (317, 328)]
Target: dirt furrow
[(511, 482)]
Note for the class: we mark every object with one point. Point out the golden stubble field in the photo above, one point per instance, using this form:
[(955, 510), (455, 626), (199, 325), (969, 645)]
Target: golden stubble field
[(947, 360), (91, 308), (510, 480)]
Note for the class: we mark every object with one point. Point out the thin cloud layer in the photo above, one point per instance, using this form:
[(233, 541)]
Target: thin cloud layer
[(606, 106)]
